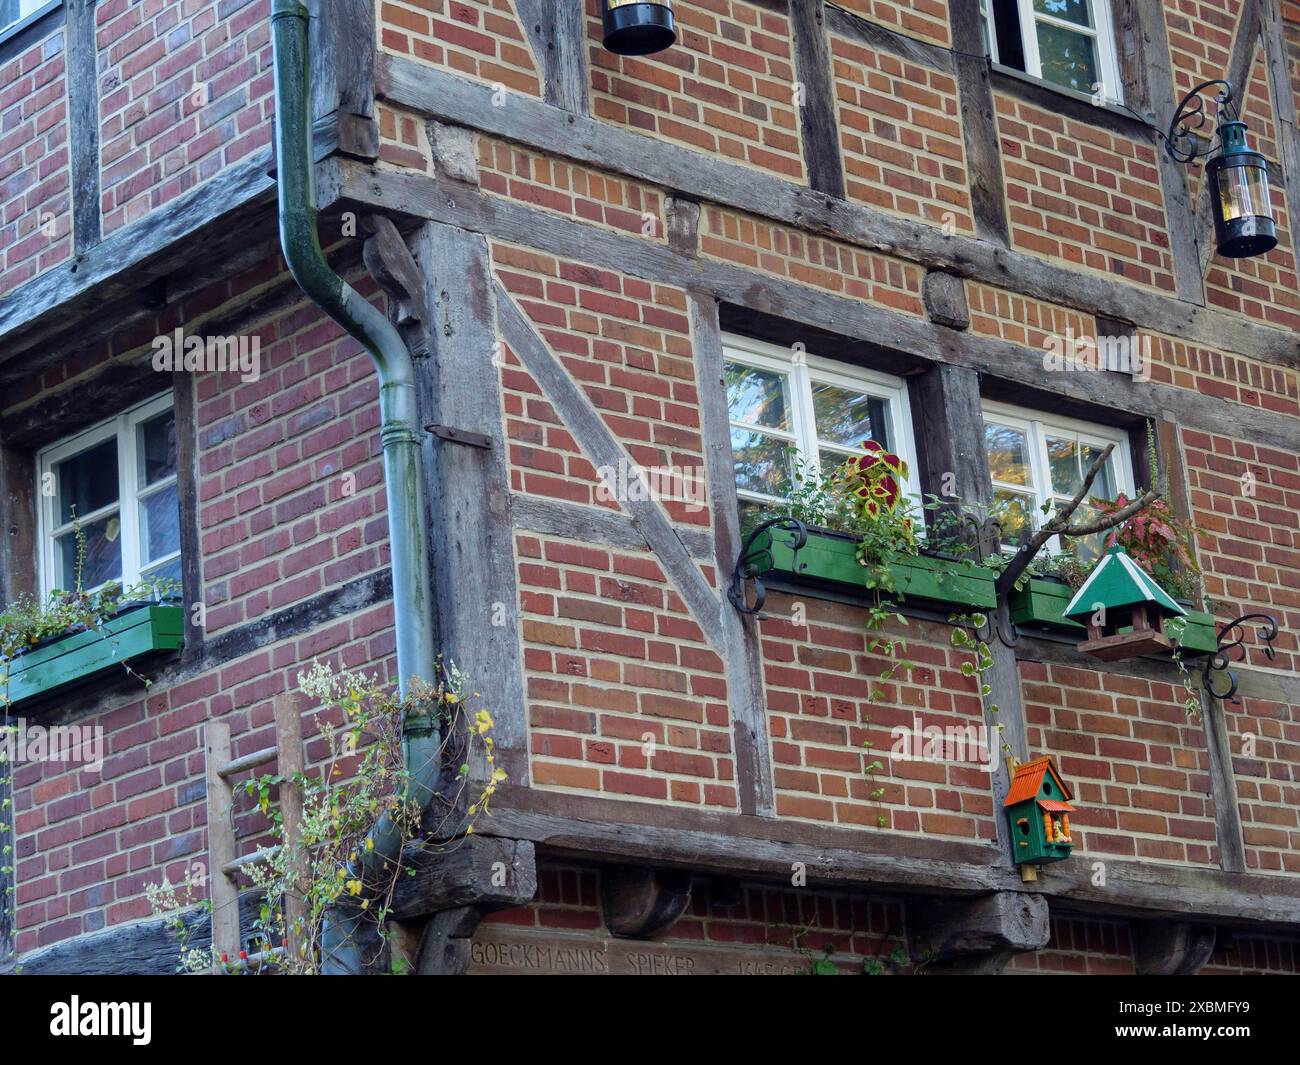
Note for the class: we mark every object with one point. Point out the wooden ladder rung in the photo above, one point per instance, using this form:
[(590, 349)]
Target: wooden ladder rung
[(248, 761), (265, 854), (222, 846)]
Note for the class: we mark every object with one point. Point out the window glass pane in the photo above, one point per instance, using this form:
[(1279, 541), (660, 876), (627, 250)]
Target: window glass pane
[(160, 524), (168, 571), (1008, 454), (103, 560), (87, 481), (1068, 460), (1015, 514), (847, 417), (1075, 11), (758, 397), (762, 463), (831, 460), (1067, 58), (156, 444)]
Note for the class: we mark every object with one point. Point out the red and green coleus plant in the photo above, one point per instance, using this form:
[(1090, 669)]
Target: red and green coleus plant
[(1160, 543)]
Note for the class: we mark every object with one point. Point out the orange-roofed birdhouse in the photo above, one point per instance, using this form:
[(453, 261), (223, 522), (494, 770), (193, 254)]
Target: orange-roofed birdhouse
[(1038, 809)]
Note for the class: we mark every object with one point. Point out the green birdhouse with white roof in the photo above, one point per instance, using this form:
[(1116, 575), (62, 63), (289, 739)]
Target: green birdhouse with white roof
[(1123, 609)]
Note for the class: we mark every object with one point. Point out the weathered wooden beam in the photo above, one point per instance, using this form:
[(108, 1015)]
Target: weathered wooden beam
[(742, 654), (816, 97), (978, 935), (1163, 948), (480, 871), (222, 216), (1282, 93), (638, 902), (1223, 786), (1149, 87), (471, 533), (885, 329), (17, 522), (83, 124), (453, 99), (945, 300), (445, 942), (604, 830), (979, 123), (880, 38), (558, 33), (604, 450), (395, 270), (573, 521)]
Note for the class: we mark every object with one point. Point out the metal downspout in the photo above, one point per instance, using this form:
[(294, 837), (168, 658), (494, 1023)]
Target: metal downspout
[(400, 434)]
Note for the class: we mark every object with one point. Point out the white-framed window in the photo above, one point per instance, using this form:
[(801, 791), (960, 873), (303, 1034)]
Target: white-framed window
[(14, 11), (1070, 43), (783, 398), (116, 482), (1037, 459)]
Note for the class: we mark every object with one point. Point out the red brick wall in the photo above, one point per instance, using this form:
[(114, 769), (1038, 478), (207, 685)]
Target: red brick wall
[(1079, 194), (1200, 40), (900, 130), (88, 842), (819, 677), (779, 930), (1136, 763), (291, 481), (627, 343), (809, 260), (625, 694), (926, 19), (1235, 378), (480, 39), (291, 504), (35, 206), (1080, 947), (1248, 545), (571, 190), (726, 87), (185, 91), (1264, 288), (1265, 738)]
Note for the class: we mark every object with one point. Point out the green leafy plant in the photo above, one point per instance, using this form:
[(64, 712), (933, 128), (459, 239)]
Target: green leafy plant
[(363, 777)]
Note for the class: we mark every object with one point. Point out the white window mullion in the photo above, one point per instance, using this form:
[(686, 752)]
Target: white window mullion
[(1029, 38), (129, 501)]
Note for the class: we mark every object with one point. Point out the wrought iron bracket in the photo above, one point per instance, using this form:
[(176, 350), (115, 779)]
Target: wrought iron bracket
[(747, 572), (1190, 116), (1223, 657)]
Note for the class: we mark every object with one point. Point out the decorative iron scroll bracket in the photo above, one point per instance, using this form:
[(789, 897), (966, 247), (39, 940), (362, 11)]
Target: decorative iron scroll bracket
[(1190, 116), (1223, 657), (747, 571)]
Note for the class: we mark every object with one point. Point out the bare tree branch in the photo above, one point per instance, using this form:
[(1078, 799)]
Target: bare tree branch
[(1059, 523)]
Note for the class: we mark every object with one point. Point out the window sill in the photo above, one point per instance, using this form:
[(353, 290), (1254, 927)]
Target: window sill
[(126, 638), (34, 22), (1050, 96)]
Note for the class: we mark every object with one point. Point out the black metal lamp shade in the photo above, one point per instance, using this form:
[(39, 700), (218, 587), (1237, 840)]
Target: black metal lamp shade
[(634, 27), (1243, 208)]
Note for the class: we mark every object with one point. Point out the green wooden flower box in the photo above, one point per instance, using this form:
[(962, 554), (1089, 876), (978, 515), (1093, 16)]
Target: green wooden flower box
[(832, 558), (1043, 602), (124, 638)]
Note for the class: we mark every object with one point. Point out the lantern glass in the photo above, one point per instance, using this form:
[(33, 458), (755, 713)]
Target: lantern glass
[(638, 27), (1243, 221)]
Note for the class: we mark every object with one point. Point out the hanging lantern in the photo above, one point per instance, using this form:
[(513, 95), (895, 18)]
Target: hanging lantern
[(1243, 209), (634, 27), (1237, 175)]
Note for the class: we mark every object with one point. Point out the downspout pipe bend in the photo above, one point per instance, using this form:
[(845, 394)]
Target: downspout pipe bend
[(399, 433)]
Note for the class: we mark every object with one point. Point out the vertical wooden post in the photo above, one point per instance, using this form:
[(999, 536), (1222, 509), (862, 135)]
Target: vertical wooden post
[(222, 891), (288, 738)]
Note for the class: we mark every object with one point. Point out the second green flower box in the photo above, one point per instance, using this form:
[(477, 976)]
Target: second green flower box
[(832, 558)]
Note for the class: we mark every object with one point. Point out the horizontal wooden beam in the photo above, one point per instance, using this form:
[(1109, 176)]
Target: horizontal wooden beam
[(453, 99), (213, 222), (480, 871), (879, 327), (605, 830)]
